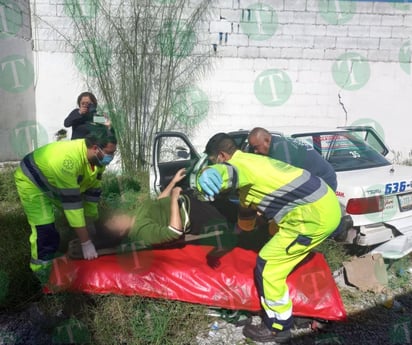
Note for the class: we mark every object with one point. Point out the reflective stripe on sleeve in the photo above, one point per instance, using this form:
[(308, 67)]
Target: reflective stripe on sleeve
[(232, 176), (30, 169), (70, 197), (92, 194), (304, 189)]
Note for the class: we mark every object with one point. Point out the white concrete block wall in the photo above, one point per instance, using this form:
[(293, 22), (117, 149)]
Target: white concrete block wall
[(305, 45), (18, 130)]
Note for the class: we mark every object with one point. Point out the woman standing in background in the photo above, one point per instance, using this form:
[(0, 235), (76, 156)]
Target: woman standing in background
[(81, 118)]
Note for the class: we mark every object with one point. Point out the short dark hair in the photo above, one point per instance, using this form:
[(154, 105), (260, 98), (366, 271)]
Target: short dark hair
[(86, 94), (258, 131), (100, 135), (220, 142)]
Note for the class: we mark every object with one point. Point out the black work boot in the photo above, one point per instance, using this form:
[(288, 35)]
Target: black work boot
[(262, 334)]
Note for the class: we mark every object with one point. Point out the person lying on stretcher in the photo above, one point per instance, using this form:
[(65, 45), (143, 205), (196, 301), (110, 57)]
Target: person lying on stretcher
[(155, 221), (175, 218)]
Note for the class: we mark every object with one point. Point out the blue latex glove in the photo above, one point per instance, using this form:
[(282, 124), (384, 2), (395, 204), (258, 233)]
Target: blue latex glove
[(210, 181)]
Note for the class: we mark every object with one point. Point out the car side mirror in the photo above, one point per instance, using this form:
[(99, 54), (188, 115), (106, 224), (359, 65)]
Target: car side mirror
[(182, 152)]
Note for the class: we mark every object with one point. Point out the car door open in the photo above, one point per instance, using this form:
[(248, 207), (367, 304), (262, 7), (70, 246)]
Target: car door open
[(171, 151)]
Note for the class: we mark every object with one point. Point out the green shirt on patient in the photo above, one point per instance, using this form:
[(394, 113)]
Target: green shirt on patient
[(152, 223)]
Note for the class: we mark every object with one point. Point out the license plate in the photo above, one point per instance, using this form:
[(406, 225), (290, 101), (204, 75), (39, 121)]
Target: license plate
[(405, 202)]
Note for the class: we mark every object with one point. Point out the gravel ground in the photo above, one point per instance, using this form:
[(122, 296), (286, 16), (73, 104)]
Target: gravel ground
[(373, 324), (369, 322)]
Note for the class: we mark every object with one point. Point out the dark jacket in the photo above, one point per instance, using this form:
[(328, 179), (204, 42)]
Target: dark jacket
[(80, 124), (297, 153)]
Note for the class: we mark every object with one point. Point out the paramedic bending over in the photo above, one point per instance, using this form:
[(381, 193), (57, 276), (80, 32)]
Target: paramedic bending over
[(66, 174), (305, 208)]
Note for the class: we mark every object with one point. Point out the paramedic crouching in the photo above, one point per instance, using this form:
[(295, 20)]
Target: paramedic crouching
[(66, 174)]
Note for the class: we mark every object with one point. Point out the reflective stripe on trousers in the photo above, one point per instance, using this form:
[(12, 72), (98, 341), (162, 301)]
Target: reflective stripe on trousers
[(39, 209), (300, 231)]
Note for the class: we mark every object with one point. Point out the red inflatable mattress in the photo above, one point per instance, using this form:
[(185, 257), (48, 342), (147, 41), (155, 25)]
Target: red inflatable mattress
[(183, 274)]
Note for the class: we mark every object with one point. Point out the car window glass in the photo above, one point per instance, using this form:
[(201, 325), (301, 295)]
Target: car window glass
[(306, 141), (345, 151), (173, 149), (372, 138), (375, 143)]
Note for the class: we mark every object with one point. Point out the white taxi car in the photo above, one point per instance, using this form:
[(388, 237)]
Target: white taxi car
[(375, 195)]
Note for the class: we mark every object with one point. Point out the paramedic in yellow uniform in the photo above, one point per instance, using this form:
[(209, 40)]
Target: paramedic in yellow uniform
[(66, 174), (304, 207)]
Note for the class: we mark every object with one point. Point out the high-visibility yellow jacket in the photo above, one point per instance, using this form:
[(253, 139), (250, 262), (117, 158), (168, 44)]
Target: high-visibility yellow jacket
[(270, 186), (61, 170)]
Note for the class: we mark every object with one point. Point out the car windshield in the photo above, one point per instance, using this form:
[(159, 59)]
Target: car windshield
[(345, 150)]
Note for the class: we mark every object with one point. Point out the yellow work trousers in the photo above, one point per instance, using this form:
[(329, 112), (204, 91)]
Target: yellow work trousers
[(300, 231)]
